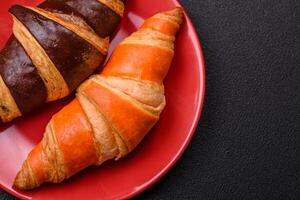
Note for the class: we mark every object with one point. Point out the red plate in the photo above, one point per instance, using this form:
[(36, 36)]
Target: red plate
[(185, 85)]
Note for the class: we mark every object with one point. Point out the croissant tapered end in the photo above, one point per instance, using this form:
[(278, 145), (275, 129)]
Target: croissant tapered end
[(166, 22), (175, 15), (25, 180), (154, 45)]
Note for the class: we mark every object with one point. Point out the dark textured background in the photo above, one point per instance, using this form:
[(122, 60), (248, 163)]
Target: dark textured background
[(247, 144)]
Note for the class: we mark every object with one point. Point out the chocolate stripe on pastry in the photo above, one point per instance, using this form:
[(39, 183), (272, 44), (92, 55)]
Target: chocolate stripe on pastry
[(97, 15), (115, 5), (54, 82), (78, 26), (75, 58), (59, 6), (21, 78)]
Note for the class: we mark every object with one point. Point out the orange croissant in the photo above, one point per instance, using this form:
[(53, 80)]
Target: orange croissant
[(112, 111)]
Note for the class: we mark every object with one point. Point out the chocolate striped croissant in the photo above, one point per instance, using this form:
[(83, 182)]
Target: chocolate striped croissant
[(54, 47), (112, 111)]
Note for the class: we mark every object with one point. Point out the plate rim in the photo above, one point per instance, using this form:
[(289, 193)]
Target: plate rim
[(199, 108)]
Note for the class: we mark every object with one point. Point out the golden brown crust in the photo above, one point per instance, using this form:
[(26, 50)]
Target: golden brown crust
[(116, 106), (146, 92), (174, 16), (115, 5), (111, 144), (8, 107), (57, 170), (78, 26), (25, 179), (103, 136), (53, 164), (148, 95), (123, 149), (151, 38), (56, 86), (150, 110), (111, 114)]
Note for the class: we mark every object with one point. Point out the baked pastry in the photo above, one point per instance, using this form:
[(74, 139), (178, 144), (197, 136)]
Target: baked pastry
[(54, 47), (112, 111)]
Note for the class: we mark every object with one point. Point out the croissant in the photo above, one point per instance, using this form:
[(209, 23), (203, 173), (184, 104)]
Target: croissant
[(112, 111), (54, 47)]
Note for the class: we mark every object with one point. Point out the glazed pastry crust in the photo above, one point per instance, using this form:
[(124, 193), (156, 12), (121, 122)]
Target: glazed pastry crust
[(8, 107), (115, 5), (54, 82), (112, 111), (78, 26), (54, 47)]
